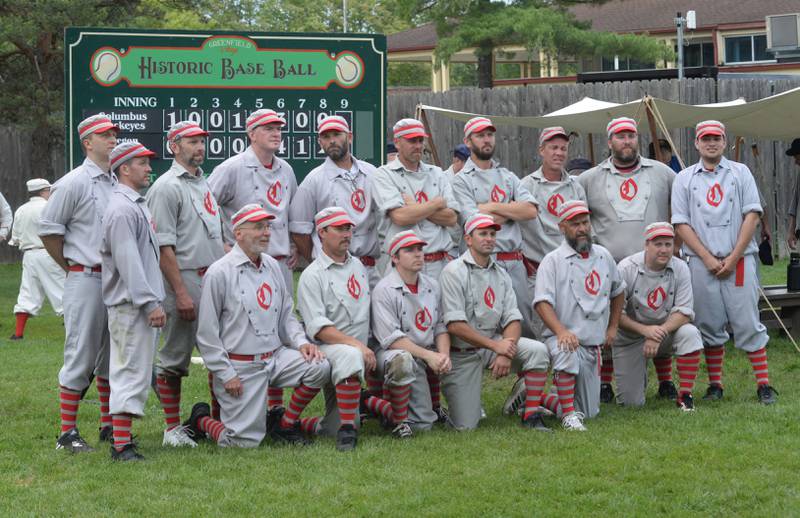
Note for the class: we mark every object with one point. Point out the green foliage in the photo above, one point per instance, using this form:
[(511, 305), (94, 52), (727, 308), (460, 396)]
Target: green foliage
[(409, 74)]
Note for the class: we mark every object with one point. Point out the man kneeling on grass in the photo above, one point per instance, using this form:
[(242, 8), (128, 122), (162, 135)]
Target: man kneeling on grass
[(245, 318)]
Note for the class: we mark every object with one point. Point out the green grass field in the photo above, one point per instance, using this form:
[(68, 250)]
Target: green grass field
[(733, 458)]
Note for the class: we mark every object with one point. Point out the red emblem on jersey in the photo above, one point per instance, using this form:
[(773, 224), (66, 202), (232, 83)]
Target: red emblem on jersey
[(498, 195), (358, 200), (592, 283), (488, 297), (714, 195), (353, 287), (423, 319), (656, 298), (264, 296), (153, 224), (421, 197), (628, 189), (553, 203), (275, 194), (208, 204)]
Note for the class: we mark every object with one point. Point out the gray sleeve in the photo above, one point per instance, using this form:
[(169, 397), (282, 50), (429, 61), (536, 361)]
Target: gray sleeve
[(209, 342), (521, 193), (454, 300), (58, 210), (120, 238), (164, 205), (220, 184), (303, 207), (466, 201), (679, 201), (447, 192), (385, 319), (684, 298), (384, 192), (6, 216), (750, 194), (310, 303), (440, 328), (546, 281), (617, 282), (290, 331)]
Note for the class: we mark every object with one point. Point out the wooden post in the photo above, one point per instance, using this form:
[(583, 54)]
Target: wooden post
[(651, 120), (591, 150), (737, 148), (423, 117)]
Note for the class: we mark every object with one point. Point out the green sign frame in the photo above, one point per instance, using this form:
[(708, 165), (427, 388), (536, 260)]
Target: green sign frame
[(146, 80)]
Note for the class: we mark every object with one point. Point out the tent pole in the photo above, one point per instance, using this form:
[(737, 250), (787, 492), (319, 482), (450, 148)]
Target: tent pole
[(591, 150), (651, 121), (737, 148), (423, 117)]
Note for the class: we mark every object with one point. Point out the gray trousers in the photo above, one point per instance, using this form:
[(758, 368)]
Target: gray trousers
[(346, 362), (86, 344), (584, 364), (398, 368), (462, 385), (180, 336), (133, 345), (537, 326), (519, 281)]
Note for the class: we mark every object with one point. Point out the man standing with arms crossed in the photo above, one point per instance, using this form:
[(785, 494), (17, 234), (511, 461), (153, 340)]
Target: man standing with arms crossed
[(340, 181), (715, 210), (71, 231), (483, 186), (189, 230), (626, 192), (133, 291)]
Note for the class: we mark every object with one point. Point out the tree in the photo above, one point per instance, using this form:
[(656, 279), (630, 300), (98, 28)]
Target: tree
[(537, 24)]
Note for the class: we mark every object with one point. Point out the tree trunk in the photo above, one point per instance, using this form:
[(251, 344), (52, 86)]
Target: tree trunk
[(485, 69)]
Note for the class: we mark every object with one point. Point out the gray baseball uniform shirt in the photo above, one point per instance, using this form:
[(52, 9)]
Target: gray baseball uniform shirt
[(623, 205)]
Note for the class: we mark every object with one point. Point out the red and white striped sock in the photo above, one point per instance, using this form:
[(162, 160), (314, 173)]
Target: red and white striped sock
[(214, 402), (169, 392), (211, 426), (348, 394), (714, 358), (374, 385), (301, 397), (399, 397), (607, 367), (565, 384), (663, 368), (69, 400), (534, 387), (104, 394), (550, 402), (122, 430), (688, 365), (309, 424), (380, 406), (758, 359), (436, 388), (274, 397)]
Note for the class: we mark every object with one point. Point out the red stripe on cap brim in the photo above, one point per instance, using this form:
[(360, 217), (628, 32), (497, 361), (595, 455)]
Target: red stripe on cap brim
[(660, 233), (477, 128), (577, 212)]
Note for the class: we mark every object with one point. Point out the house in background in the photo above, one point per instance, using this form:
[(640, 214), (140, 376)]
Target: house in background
[(730, 38)]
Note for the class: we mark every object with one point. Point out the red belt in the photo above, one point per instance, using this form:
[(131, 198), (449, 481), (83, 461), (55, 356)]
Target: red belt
[(249, 357), (531, 266), (279, 257), (202, 271), (509, 256), (436, 256), (82, 268), (367, 260), (466, 349)]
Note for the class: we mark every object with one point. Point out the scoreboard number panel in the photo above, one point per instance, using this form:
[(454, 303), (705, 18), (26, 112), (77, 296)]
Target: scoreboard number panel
[(148, 80)]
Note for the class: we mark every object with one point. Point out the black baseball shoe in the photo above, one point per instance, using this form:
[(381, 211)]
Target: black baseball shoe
[(346, 438), (293, 435), (15, 337), (666, 390), (443, 416), (192, 430), (606, 393), (535, 422), (685, 402), (274, 416), (107, 434), (126, 454), (713, 393), (73, 442), (363, 411), (767, 395), (402, 431)]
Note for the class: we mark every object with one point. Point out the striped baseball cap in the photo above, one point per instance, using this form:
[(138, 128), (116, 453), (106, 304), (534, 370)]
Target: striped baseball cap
[(403, 239), (183, 129), (480, 221), (658, 229), (573, 208), (95, 124), (333, 123), (552, 132), (250, 212), (408, 129), (332, 217), (476, 125), (621, 124), (709, 128), (262, 117), (126, 151)]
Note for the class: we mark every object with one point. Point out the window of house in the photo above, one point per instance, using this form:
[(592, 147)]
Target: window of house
[(626, 64), (698, 54), (747, 49)]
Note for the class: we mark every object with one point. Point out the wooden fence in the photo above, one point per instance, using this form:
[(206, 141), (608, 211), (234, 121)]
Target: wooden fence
[(516, 146)]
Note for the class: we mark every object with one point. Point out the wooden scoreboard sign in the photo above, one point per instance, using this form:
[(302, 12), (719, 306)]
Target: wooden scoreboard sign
[(148, 80)]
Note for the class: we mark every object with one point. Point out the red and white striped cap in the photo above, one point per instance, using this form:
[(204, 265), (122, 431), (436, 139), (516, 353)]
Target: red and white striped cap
[(332, 217), (480, 221), (403, 239), (183, 129), (552, 132), (573, 208), (126, 151), (250, 212), (95, 124), (621, 124), (263, 116), (709, 128), (476, 125), (333, 123), (658, 229), (408, 129)]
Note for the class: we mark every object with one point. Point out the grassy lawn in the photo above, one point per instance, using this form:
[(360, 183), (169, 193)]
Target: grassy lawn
[(735, 457)]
